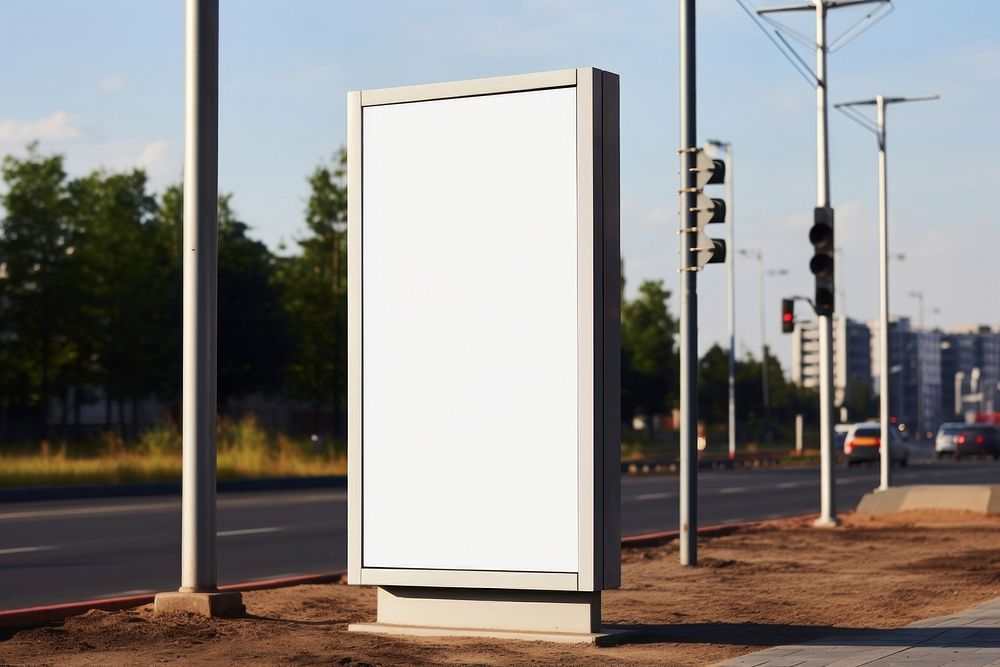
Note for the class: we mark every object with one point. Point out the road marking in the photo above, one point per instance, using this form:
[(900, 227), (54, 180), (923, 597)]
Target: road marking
[(175, 505), (23, 550), (249, 531), (654, 496), (84, 511), (857, 480), (734, 489), (794, 485)]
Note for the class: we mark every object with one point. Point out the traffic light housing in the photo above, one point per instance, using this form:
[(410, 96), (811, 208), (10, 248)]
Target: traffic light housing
[(821, 264), (709, 210), (787, 315)]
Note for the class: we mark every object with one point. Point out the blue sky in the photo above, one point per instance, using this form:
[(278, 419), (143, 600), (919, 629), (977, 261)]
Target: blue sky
[(102, 83)]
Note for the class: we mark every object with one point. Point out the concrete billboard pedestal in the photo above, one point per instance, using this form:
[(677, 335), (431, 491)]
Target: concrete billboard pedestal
[(556, 616)]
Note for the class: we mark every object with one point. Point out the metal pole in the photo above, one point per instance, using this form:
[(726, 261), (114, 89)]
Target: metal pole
[(201, 141), (828, 509), (883, 242), (731, 279), (765, 391), (688, 293), (798, 434)]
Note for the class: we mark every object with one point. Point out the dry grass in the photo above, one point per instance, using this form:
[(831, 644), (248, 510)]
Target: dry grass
[(245, 449)]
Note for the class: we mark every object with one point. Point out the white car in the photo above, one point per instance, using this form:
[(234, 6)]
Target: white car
[(863, 444)]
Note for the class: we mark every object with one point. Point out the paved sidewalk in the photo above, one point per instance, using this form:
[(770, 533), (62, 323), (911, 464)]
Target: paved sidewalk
[(971, 637)]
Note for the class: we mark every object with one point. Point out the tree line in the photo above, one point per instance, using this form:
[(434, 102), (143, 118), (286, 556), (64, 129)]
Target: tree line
[(650, 375), (90, 309), (90, 299)]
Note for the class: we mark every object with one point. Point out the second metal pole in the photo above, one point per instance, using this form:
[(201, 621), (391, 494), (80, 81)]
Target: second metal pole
[(688, 293), (828, 507), (731, 301), (764, 383)]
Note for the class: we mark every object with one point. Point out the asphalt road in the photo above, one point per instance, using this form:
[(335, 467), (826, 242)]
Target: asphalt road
[(64, 551)]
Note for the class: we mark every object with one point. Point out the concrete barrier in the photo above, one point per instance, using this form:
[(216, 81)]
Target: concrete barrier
[(979, 498)]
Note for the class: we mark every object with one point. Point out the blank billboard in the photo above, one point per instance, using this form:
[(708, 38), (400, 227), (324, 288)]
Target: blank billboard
[(483, 345), (469, 333)]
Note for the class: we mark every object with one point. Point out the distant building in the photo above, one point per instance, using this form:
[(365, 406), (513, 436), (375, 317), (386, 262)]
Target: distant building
[(851, 357), (914, 376), (970, 371)]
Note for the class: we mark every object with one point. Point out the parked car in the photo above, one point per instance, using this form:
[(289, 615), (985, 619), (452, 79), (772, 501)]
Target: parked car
[(958, 440), (863, 445)]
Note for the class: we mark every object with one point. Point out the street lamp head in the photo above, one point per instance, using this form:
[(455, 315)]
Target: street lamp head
[(716, 142)]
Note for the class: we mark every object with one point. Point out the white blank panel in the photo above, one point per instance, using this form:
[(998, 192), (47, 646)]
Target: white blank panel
[(469, 334)]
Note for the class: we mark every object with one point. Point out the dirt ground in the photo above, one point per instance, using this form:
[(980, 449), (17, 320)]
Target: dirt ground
[(756, 587)]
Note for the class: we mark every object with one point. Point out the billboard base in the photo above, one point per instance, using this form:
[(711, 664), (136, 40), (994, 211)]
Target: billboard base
[(555, 616)]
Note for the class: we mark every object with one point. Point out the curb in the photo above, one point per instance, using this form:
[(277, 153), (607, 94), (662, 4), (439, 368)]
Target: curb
[(76, 491), (657, 539), (33, 616), (671, 466)]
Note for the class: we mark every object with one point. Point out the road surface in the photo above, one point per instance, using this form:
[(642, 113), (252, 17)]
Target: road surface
[(64, 551)]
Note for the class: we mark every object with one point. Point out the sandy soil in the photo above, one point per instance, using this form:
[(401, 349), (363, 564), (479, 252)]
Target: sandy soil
[(755, 588)]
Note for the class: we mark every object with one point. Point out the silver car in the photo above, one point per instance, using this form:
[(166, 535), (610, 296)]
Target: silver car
[(946, 442), (862, 445)]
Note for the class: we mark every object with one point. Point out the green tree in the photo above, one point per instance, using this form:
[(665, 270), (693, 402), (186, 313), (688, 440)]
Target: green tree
[(316, 296), (38, 285), (121, 315), (713, 386), (649, 355), (253, 335)]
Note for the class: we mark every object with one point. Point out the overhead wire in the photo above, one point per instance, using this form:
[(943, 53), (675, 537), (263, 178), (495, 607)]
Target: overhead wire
[(799, 65), (858, 118), (873, 17)]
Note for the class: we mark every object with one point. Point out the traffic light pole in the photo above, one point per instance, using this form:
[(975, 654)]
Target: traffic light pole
[(828, 505), (828, 509), (688, 292)]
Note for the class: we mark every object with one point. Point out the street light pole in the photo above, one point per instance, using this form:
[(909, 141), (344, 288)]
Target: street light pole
[(919, 296), (764, 373), (883, 260), (731, 290), (198, 590), (847, 108)]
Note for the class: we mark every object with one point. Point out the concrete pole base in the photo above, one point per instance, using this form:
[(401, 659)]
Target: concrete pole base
[(821, 522), (227, 604), (554, 616)]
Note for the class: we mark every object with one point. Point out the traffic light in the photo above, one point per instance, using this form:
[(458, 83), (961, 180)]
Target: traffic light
[(787, 315), (821, 264), (709, 210)]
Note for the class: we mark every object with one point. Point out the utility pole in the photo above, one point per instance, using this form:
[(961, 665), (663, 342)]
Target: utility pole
[(730, 290), (199, 592), (848, 109), (828, 508), (919, 296), (764, 372), (688, 291)]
